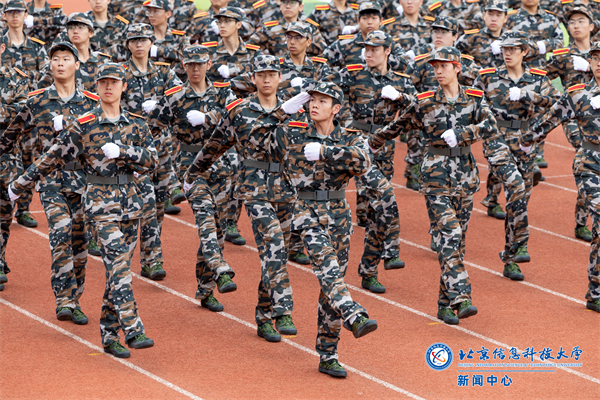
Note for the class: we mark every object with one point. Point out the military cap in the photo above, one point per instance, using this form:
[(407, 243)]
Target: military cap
[(498, 5), (196, 54), (266, 63), (514, 38), (80, 18), (329, 89), (164, 4), (231, 12), (68, 46), (300, 28), (378, 38), (446, 54), (140, 31), (366, 6), (446, 23), (595, 47), (579, 9), (111, 70), (15, 5)]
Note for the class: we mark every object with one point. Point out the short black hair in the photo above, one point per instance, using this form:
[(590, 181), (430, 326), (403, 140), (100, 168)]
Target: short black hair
[(367, 13)]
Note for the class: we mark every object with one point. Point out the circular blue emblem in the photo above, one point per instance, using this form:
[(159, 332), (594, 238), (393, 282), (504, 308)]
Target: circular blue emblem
[(438, 356)]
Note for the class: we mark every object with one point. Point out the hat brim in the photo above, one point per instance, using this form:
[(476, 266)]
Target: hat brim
[(59, 47), (443, 60), (195, 60), (303, 34), (237, 17), (110, 76)]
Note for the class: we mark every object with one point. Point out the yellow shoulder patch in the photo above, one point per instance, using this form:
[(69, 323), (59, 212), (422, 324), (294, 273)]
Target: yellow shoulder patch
[(38, 41), (487, 71), (425, 95), (55, 6), (162, 64), (253, 47), (86, 118), (104, 54), (298, 124), (354, 67), (322, 8), (176, 32), (134, 115), (259, 4), (428, 18), (401, 74), (422, 56), (209, 44), (564, 50), (233, 104), (23, 74), (474, 92), (511, 12), (388, 21), (310, 21), (200, 14), (221, 84), (468, 57), (36, 92), (344, 37), (271, 23), (471, 31), (435, 5), (355, 6), (319, 59), (123, 20), (538, 71)]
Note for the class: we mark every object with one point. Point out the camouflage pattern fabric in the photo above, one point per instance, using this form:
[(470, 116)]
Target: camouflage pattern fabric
[(271, 39), (201, 31), (407, 36), (332, 21), (477, 44), (85, 76), (238, 63), (47, 23), (30, 57), (468, 14), (424, 78)]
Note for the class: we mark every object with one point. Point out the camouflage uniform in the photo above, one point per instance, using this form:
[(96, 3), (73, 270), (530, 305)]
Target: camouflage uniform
[(105, 36), (468, 15), (331, 21), (476, 43), (183, 14), (238, 63), (13, 91), (112, 200), (449, 176), (264, 187), (408, 36), (47, 23), (128, 9), (201, 30)]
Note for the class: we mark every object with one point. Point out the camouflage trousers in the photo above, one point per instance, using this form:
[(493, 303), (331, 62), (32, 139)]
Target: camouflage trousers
[(451, 216), (206, 208), (382, 233), (573, 134), (68, 244), (516, 224), (28, 155), (234, 206), (117, 240), (271, 223), (328, 250), (10, 168), (585, 170), (414, 155), (153, 214)]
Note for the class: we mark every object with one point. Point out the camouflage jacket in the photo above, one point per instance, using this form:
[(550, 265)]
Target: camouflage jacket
[(83, 139), (250, 128), (168, 49), (560, 65), (171, 111), (468, 15), (238, 63), (470, 118), (424, 78), (30, 57), (85, 76), (35, 120), (128, 9), (343, 155), (48, 23), (200, 29), (408, 36), (476, 43), (105, 37), (183, 14), (263, 11), (271, 38), (331, 21)]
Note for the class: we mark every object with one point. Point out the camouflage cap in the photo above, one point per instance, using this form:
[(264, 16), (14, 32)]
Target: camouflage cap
[(111, 70), (68, 46), (195, 54), (231, 12), (300, 28), (579, 9), (514, 39), (164, 4), (140, 31), (446, 23), (80, 18), (266, 63), (595, 47), (369, 5), (447, 54), (378, 38), (15, 5), (498, 5), (329, 89)]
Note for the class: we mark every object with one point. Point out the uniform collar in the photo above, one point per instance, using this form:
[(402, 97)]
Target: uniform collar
[(102, 119), (26, 43), (256, 106), (223, 50), (335, 136), (133, 69), (526, 77), (440, 97), (287, 61), (52, 94), (31, 8), (191, 94)]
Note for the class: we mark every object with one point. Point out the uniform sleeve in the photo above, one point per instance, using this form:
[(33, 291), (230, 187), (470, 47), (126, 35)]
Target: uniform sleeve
[(243, 84), (543, 100), (560, 112), (406, 122), (484, 128), (20, 126), (333, 54), (144, 157), (354, 158), (261, 39), (557, 40)]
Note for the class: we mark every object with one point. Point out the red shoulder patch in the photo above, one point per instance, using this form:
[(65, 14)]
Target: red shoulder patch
[(91, 95), (86, 118), (234, 104)]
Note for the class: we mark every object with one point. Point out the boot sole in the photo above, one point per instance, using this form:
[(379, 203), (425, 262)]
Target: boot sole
[(449, 321), (1, 287), (28, 224), (80, 321), (239, 241), (232, 287), (63, 316), (118, 355), (393, 266), (585, 239), (178, 199), (94, 253), (537, 177), (542, 165), (522, 259), (287, 332), (372, 289), (334, 373), (3, 279), (173, 211), (157, 276), (514, 277), (230, 237), (272, 339), (469, 312), (497, 216), (213, 308), (142, 345), (592, 307), (365, 329)]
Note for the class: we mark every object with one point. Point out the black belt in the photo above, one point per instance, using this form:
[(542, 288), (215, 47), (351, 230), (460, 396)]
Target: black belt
[(515, 124), (590, 146), (190, 148), (323, 195), (267, 166), (449, 151), (73, 166), (365, 127), (110, 180)]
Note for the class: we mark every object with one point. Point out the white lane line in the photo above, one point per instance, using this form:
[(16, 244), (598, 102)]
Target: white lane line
[(561, 146), (432, 318), (99, 350), (559, 176), (233, 318), (559, 187)]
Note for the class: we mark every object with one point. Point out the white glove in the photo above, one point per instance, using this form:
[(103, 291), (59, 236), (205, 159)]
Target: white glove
[(496, 49), (580, 64), (389, 92), (29, 21), (224, 71), (111, 150), (514, 94), (11, 194), (215, 27), (187, 187), (368, 146), (149, 105), (525, 149), (411, 54), (595, 102), (136, 174), (349, 29), (297, 81), (400, 10), (196, 117), (293, 105), (362, 54), (450, 138), (153, 51), (58, 123), (542, 46), (312, 151)]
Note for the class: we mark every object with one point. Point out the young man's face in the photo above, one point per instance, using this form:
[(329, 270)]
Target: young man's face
[(228, 27), (579, 26), (196, 72), (63, 65), (219, 3), (442, 37), (15, 18), (291, 8), (494, 19), (158, 16), (99, 6), (376, 55), (296, 43), (411, 7), (322, 108), (369, 23), (139, 47), (266, 82), (445, 72), (110, 90), (595, 64), (530, 3), (513, 55), (79, 33)]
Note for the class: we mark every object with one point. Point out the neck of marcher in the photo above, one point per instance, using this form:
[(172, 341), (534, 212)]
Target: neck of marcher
[(141, 63), (325, 128), (267, 101), (232, 43), (452, 89), (112, 110), (65, 88), (583, 44), (199, 87), (515, 72), (84, 51)]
